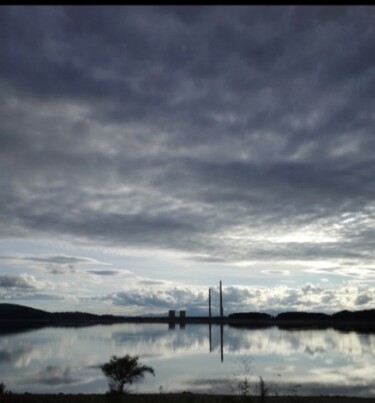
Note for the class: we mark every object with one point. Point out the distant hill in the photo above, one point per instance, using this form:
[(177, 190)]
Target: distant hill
[(15, 312), (314, 316), (21, 312), (363, 320), (250, 316), (365, 315)]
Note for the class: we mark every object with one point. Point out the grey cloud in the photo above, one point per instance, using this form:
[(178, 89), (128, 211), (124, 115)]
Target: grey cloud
[(63, 260), (310, 289), (243, 299), (32, 296), (171, 128), (142, 37), (58, 259), (171, 298), (57, 264), (20, 282), (281, 272), (141, 299), (26, 287), (53, 375), (56, 269), (208, 259), (15, 354), (151, 282), (104, 272), (363, 300)]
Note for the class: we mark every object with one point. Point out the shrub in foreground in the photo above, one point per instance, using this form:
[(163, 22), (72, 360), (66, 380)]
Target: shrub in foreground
[(123, 371)]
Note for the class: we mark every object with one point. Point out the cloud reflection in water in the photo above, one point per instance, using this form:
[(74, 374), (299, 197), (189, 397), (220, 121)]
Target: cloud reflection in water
[(68, 359)]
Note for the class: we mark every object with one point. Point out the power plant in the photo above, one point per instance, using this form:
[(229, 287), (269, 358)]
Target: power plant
[(221, 302), (182, 317)]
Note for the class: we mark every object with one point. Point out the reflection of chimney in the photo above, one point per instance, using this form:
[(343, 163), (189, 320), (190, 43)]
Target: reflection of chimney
[(221, 301), (209, 303)]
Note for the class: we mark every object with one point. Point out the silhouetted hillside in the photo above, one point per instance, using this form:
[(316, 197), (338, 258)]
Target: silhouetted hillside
[(305, 316), (16, 312), (20, 312), (250, 316), (18, 318), (365, 315)]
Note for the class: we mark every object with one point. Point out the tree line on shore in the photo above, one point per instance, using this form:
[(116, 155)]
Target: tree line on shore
[(363, 315), (19, 313)]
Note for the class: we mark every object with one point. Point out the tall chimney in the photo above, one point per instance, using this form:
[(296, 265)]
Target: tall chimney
[(209, 303), (221, 301)]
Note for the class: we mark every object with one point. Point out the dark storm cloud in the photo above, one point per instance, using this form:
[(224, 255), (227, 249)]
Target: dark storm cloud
[(174, 127)]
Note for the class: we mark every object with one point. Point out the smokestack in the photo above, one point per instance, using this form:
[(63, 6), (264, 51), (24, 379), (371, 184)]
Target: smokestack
[(209, 303), (221, 301)]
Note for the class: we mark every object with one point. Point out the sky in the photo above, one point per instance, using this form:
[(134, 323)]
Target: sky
[(146, 153)]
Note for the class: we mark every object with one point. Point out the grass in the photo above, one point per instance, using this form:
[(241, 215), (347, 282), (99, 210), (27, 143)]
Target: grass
[(185, 397)]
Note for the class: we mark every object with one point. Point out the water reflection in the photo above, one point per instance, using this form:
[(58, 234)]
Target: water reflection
[(68, 360)]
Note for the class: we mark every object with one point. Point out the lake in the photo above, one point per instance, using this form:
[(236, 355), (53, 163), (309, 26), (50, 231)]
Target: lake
[(302, 362)]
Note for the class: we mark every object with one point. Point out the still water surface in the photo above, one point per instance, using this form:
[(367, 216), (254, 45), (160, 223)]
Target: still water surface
[(314, 362)]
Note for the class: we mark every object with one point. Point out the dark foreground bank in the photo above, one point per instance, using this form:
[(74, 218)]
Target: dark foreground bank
[(185, 397)]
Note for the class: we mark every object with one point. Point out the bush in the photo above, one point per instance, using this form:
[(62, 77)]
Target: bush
[(3, 389), (124, 370), (241, 382), (263, 390)]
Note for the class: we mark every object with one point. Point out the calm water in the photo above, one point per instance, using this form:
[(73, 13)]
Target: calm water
[(53, 360)]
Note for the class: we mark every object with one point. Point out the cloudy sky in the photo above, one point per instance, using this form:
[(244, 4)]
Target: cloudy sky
[(148, 152)]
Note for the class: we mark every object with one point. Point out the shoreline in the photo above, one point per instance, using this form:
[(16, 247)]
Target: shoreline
[(17, 317), (18, 324), (182, 397)]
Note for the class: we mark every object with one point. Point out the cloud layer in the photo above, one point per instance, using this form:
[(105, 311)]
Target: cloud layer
[(225, 134)]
